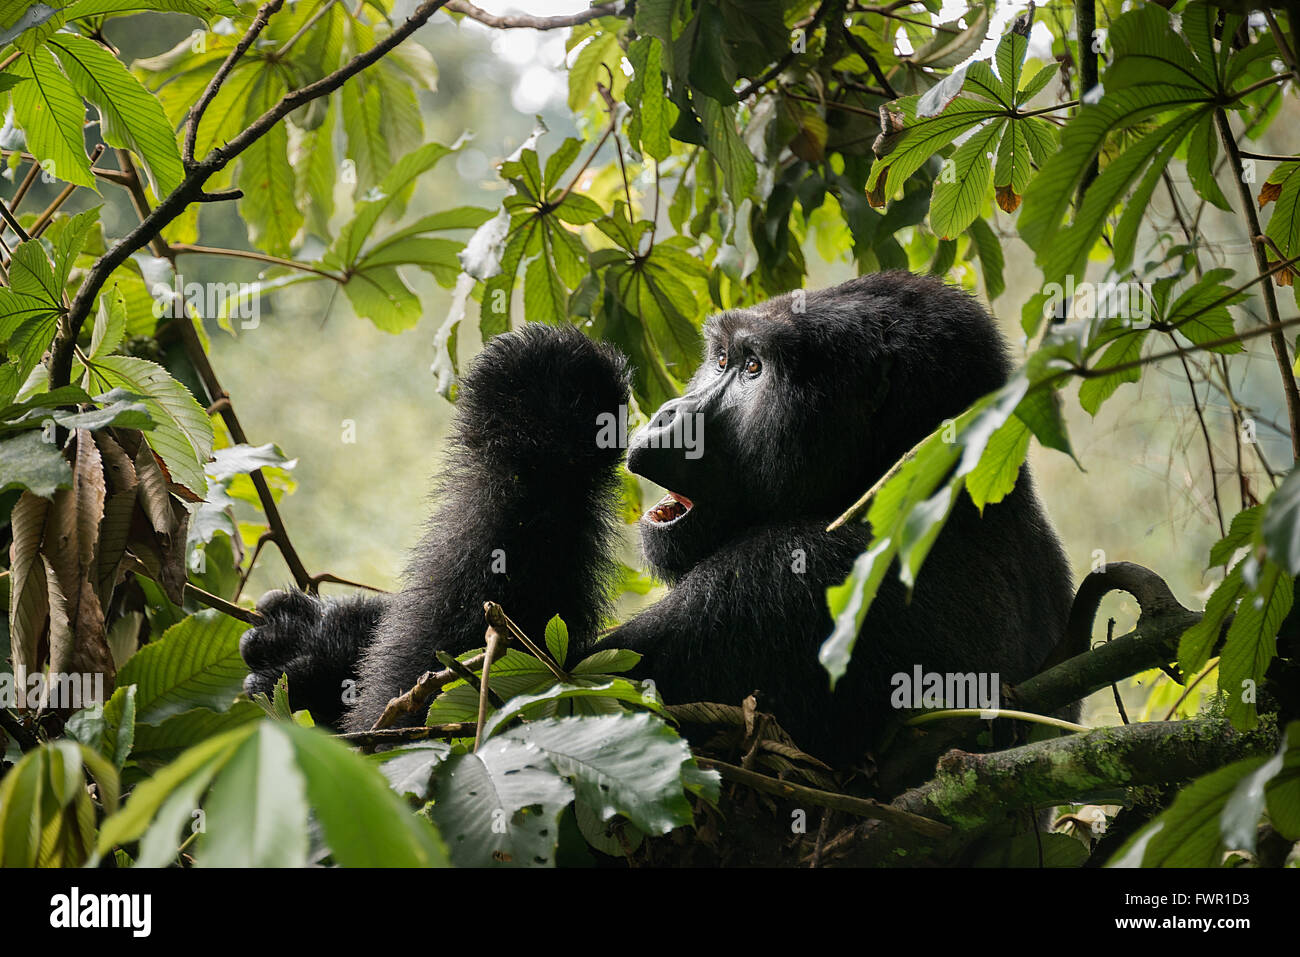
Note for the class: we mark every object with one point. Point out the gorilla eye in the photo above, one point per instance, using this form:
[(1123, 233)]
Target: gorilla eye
[(753, 367), (722, 360)]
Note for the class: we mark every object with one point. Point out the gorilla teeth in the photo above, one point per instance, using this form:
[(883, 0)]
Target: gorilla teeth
[(671, 508)]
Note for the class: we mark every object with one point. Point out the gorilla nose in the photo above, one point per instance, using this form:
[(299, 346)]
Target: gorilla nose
[(667, 448)]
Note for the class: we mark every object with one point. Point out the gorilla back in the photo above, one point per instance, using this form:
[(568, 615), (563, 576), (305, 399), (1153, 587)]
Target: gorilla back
[(800, 405)]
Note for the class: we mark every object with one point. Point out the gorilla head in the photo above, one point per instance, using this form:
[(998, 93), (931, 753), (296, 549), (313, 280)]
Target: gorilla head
[(801, 403)]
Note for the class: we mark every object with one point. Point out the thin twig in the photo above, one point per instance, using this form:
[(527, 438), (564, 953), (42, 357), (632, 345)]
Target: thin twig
[(1114, 685), (264, 14), (1208, 669), (1209, 446), (1051, 722), (369, 740), (191, 248), (861, 807), (498, 619), (495, 645), (220, 604), (1276, 338), (526, 21)]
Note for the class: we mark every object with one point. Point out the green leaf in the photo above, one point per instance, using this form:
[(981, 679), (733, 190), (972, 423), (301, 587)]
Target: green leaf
[(607, 661), (71, 240), (1201, 313), (195, 664), (266, 176), (1244, 530), (130, 116), (1252, 642), (256, 814), (739, 172), (119, 725), (557, 639), (1128, 348), (1188, 834), (1280, 525), (500, 805), (156, 745), (409, 770), (619, 689), (47, 818), (110, 323), (989, 249), (28, 461), (30, 274), (347, 247), (203, 9), (182, 435), (848, 604), (653, 114), (958, 198), (52, 115), (380, 294), (1198, 641), (922, 137), (1067, 251), (628, 764), (586, 69), (1241, 814), (999, 467), (1202, 152), (163, 801), (1284, 225)]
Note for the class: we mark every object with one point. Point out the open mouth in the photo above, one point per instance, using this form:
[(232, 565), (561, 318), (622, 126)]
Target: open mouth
[(671, 508)]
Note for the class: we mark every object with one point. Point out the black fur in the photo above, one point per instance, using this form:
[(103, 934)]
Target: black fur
[(850, 378)]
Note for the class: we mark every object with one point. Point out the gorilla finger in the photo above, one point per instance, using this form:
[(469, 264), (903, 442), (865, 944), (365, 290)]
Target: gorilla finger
[(289, 603), (265, 645), (261, 682)]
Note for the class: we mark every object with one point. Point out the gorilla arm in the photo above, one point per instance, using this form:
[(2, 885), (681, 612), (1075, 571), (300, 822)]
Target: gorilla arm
[(751, 618), (526, 508)]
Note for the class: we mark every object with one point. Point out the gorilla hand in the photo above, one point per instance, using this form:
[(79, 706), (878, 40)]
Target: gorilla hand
[(316, 643)]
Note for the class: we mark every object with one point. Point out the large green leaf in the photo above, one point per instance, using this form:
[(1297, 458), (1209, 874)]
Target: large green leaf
[(195, 664), (266, 177), (47, 818), (628, 764), (500, 805), (52, 115), (182, 434), (130, 116)]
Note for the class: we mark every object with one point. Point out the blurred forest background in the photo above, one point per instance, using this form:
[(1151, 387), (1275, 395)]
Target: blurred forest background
[(310, 367)]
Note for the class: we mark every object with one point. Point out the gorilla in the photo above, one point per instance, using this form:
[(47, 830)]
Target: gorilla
[(799, 406)]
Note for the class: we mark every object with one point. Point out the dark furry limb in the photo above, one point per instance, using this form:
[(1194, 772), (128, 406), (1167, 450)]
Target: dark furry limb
[(525, 519)]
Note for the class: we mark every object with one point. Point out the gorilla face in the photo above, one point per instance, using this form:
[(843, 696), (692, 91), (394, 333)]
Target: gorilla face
[(802, 402), (724, 448)]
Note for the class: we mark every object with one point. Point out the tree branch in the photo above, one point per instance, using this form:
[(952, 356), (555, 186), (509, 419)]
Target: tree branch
[(1152, 642), (191, 188), (264, 14), (862, 807), (516, 21), (978, 792), (971, 790)]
